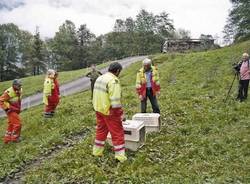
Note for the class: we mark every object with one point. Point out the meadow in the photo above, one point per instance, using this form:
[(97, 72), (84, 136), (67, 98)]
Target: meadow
[(202, 140)]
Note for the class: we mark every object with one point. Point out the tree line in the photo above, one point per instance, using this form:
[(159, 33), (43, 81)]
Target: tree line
[(24, 54)]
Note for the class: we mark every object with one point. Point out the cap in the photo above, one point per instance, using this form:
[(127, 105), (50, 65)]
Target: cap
[(17, 82)]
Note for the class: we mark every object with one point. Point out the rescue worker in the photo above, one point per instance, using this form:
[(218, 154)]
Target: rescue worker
[(51, 93), (93, 75), (244, 70), (10, 102), (148, 85), (109, 113)]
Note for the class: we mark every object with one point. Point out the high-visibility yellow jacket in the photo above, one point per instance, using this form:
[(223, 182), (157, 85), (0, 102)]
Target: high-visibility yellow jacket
[(48, 86), (107, 93), (141, 81), (11, 99)]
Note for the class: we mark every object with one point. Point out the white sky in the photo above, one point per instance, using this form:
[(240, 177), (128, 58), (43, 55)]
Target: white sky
[(198, 16)]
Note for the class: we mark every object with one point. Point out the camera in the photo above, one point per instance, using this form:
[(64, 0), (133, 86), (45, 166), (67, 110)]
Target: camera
[(236, 67)]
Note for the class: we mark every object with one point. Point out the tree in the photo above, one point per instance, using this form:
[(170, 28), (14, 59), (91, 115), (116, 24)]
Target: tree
[(238, 23), (164, 25), (119, 26), (65, 46), (129, 25), (10, 52), (37, 61), (145, 22), (85, 37)]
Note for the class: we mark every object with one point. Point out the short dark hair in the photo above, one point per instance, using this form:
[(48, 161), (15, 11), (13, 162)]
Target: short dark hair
[(114, 67)]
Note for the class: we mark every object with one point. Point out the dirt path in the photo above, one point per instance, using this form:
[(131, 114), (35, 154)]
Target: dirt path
[(15, 176)]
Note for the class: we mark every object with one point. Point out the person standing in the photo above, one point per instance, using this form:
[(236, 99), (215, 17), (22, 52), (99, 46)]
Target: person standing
[(51, 93), (10, 102), (93, 75), (148, 85), (109, 112), (244, 71)]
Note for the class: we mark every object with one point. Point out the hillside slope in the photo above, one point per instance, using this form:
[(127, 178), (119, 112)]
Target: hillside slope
[(203, 139)]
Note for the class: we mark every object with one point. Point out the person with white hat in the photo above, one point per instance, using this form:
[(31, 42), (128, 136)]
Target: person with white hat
[(148, 85)]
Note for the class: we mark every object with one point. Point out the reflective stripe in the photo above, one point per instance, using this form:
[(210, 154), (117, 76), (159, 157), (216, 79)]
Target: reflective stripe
[(116, 106), (101, 82), (7, 133), (120, 151), (99, 142), (98, 88), (157, 82), (115, 99), (119, 146), (99, 145)]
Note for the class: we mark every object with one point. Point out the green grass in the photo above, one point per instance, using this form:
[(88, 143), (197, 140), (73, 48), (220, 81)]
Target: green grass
[(34, 84), (203, 139)]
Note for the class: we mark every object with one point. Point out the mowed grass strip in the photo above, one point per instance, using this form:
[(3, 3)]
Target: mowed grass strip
[(34, 84), (203, 139)]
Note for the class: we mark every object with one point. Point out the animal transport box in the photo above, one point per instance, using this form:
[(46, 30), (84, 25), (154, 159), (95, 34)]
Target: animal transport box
[(135, 134), (151, 120)]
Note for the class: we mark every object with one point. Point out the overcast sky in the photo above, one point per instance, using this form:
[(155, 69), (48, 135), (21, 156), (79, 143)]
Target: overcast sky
[(198, 16)]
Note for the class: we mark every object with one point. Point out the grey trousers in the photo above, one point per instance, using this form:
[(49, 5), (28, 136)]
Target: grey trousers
[(153, 101)]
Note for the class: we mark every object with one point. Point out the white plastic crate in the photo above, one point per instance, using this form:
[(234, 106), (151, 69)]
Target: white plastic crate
[(151, 120), (135, 134)]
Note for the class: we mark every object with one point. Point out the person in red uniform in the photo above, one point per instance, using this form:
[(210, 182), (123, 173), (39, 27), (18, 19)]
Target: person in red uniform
[(10, 102), (51, 93), (109, 112)]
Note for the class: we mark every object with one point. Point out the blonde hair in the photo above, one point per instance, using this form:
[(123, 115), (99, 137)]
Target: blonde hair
[(51, 73), (147, 61), (245, 55)]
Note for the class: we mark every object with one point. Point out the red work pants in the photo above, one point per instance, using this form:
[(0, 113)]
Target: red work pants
[(110, 123), (52, 104), (14, 127)]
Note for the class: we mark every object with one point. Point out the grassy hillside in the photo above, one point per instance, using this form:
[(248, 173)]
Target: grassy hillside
[(203, 139), (34, 84)]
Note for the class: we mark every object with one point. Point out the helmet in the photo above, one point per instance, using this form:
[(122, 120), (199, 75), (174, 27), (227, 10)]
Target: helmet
[(147, 61), (17, 82)]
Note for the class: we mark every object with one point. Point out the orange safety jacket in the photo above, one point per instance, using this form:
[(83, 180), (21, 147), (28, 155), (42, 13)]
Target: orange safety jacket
[(11, 100), (141, 82)]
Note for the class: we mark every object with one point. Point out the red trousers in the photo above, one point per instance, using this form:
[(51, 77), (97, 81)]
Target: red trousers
[(14, 127), (52, 104), (110, 123), (51, 107)]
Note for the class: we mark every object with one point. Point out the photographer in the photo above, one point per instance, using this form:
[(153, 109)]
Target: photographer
[(243, 69)]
